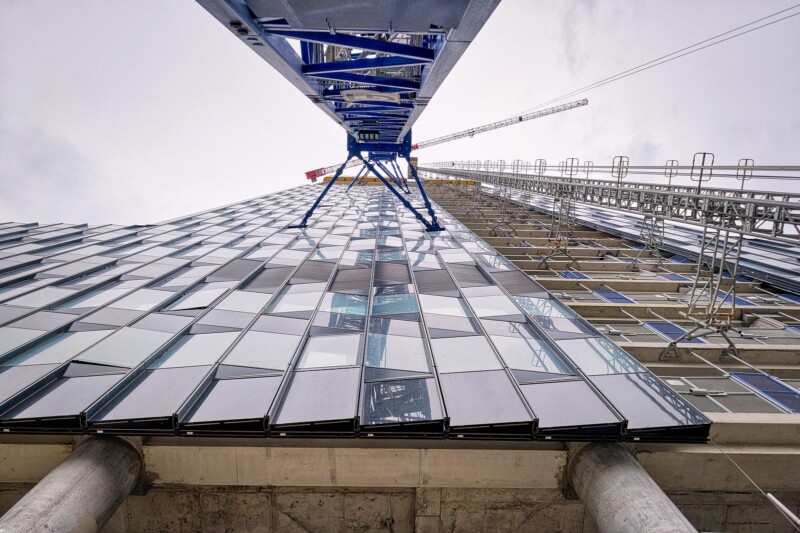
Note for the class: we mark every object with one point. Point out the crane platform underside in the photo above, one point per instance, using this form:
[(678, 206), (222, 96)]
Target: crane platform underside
[(370, 66)]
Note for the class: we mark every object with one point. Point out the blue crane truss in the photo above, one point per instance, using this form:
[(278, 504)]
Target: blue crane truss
[(371, 65)]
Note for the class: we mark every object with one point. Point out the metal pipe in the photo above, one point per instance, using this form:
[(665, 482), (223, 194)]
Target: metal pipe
[(81, 493), (785, 510), (620, 495)]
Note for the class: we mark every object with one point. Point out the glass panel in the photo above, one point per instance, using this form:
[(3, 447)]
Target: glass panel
[(14, 379), (522, 353), (142, 300), (94, 298), (392, 304), (11, 338), (567, 403), (338, 321), (292, 302), (320, 395), (334, 350), (44, 321), (111, 317), (264, 350), (60, 348), (449, 326), (391, 326), (462, 354), (158, 394), (196, 300), (230, 319), (248, 302), (279, 324), (391, 255), (563, 328), (599, 356), (330, 253), (65, 397), (443, 305), (163, 322), (235, 399), (493, 306), (127, 347), (494, 262), (392, 351), (41, 297), (401, 401), (350, 304), (646, 402), (478, 398), (196, 350), (544, 307)]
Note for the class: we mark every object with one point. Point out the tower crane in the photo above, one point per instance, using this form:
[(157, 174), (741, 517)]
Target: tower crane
[(314, 174), (373, 67)]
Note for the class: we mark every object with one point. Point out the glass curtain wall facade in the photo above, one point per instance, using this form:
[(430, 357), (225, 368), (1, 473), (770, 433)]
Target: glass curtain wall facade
[(232, 323)]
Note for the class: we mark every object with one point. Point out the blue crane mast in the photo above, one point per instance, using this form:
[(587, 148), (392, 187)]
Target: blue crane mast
[(371, 65)]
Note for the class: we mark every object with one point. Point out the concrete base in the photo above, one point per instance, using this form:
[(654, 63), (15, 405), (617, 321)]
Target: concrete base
[(182, 509), (243, 485)]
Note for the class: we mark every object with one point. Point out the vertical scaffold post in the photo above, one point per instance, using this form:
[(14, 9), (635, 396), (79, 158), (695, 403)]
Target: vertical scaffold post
[(304, 223)]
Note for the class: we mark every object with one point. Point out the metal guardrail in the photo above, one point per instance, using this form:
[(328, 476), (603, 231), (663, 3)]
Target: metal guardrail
[(758, 213)]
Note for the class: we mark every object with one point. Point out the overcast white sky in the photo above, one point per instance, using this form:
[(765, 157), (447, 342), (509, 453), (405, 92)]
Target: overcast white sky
[(135, 111)]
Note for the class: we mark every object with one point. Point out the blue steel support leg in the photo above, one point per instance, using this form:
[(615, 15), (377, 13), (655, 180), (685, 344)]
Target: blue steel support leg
[(304, 222), (425, 200), (358, 176), (400, 174), (391, 175), (428, 226)]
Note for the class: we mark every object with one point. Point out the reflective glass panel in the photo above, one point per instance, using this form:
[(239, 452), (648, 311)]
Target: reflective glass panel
[(599, 356), (11, 338), (94, 298), (350, 304), (196, 350), (292, 302), (264, 350), (235, 399), (401, 401), (522, 353), (493, 306), (443, 305), (567, 403), (248, 302), (142, 300), (333, 350), (41, 297), (393, 351), (196, 300), (126, 348), (60, 348), (463, 354), (544, 307), (392, 304)]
